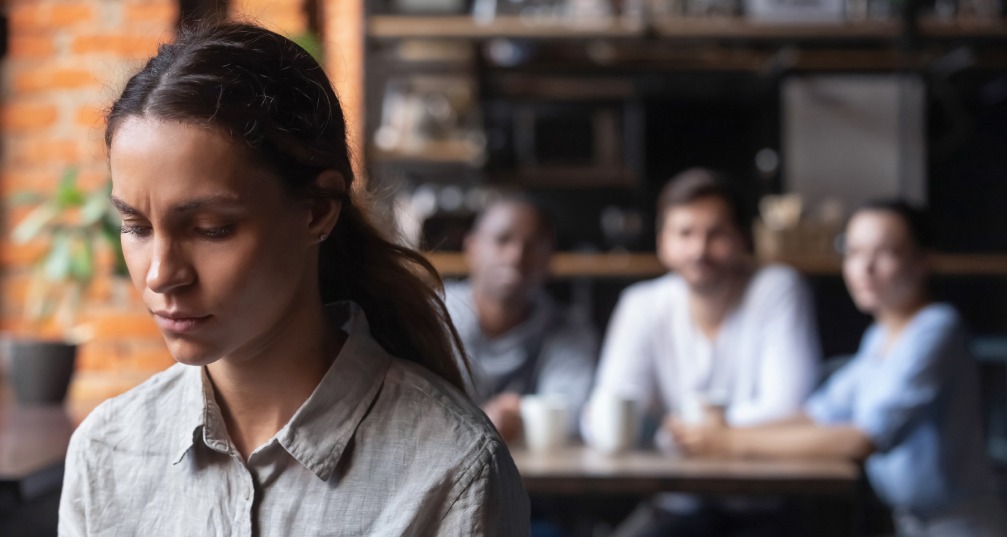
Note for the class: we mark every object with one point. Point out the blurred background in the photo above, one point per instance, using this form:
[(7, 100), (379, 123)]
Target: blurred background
[(810, 107)]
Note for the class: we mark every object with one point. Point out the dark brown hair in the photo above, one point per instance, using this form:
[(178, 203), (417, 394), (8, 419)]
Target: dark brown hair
[(275, 100), (914, 217), (698, 183)]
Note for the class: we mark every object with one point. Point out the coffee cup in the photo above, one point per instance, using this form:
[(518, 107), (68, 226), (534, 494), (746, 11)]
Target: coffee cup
[(613, 422), (546, 420)]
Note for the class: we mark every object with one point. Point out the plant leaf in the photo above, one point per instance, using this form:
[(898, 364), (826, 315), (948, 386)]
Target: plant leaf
[(34, 223), (67, 194), (26, 198), (56, 265), (95, 207), (82, 260)]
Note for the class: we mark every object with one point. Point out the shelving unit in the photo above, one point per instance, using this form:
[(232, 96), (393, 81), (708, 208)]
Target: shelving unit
[(710, 28), (646, 265), (635, 54)]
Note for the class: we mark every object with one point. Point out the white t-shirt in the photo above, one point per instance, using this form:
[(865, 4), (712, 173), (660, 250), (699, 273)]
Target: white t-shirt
[(762, 364)]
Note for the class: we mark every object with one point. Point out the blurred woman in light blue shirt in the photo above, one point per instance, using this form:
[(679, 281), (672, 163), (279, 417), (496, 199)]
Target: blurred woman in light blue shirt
[(908, 402)]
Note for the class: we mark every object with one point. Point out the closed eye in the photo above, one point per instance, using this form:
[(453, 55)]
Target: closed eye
[(136, 230), (216, 233)]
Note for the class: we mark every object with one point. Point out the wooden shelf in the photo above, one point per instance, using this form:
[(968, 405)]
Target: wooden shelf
[(438, 154), (645, 265), (734, 28), (963, 29), (465, 27)]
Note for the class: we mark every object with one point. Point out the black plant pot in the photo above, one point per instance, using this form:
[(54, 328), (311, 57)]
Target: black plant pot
[(40, 371)]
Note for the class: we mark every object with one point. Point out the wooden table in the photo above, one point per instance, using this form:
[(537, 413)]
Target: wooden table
[(33, 443), (579, 471), (585, 487)]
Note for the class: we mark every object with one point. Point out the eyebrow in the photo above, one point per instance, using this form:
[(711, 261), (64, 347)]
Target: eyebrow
[(183, 207)]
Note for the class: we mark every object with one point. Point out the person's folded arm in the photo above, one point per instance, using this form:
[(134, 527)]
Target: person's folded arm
[(789, 356), (626, 367), (795, 438)]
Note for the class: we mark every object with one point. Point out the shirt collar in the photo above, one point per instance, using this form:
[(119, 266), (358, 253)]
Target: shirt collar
[(318, 433)]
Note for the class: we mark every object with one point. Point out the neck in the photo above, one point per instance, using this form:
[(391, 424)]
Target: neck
[(259, 393), (496, 317), (709, 307), (895, 319)]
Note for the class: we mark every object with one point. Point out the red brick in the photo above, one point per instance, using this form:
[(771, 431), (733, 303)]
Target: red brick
[(42, 151), (31, 47), (40, 16), (27, 117), (20, 254), (41, 79), (120, 45), (99, 356), (120, 326), (24, 180), (73, 13), (156, 12), (150, 358), (91, 116)]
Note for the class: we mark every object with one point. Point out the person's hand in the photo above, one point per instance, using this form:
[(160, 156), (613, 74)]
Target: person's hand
[(504, 411), (712, 438)]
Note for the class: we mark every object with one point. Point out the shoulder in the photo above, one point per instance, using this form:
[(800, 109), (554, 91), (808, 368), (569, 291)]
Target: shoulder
[(775, 284), (436, 412), (938, 328), (458, 300), (776, 278), (134, 419), (456, 290), (655, 291), (940, 316)]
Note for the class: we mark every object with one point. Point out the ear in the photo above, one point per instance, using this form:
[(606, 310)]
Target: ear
[(325, 210), (663, 255)]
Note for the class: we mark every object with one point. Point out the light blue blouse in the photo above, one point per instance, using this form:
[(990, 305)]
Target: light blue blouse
[(919, 404)]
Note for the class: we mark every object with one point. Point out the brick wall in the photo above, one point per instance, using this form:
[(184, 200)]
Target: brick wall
[(67, 60)]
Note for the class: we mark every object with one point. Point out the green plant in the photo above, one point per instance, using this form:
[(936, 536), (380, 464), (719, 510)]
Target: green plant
[(74, 224)]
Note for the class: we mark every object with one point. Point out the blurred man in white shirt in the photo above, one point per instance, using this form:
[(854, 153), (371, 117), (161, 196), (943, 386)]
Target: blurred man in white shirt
[(718, 337)]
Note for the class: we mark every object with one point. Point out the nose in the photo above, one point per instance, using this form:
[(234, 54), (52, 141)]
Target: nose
[(698, 245), (169, 268)]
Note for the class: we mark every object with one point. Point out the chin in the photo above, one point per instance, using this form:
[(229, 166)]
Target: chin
[(866, 305), (188, 353)]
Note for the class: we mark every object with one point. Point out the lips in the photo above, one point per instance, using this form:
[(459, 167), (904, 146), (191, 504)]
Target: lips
[(179, 322)]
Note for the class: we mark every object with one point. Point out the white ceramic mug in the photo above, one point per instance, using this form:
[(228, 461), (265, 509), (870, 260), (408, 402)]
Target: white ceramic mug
[(546, 420), (696, 407), (613, 422)]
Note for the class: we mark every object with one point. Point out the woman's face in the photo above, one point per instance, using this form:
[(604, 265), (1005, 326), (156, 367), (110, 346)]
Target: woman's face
[(221, 253), (882, 265)]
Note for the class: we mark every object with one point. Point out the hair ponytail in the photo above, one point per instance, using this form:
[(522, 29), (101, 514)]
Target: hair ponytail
[(398, 288)]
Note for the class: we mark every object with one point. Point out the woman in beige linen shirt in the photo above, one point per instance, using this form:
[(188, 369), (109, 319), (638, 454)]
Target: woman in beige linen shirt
[(316, 390)]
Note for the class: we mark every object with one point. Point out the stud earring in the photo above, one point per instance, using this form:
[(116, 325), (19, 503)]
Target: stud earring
[(322, 237)]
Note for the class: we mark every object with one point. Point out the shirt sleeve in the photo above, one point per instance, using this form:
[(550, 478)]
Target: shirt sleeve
[(790, 353), (920, 362), (77, 484), (492, 501), (833, 403), (627, 356), (568, 367)]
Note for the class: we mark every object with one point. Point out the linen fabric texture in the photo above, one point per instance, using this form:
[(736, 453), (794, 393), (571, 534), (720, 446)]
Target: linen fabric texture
[(382, 447)]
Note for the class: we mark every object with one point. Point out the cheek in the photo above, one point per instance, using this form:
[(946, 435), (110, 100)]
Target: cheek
[(723, 248), (137, 261)]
